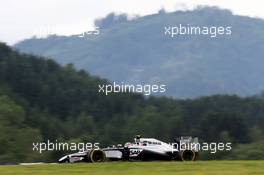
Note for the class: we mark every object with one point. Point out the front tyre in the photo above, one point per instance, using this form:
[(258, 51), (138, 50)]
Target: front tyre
[(96, 155)]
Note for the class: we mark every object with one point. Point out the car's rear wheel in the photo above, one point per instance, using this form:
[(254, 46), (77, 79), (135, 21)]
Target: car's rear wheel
[(188, 155)]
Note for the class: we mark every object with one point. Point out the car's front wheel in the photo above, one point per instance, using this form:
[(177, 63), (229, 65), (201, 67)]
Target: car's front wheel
[(96, 155)]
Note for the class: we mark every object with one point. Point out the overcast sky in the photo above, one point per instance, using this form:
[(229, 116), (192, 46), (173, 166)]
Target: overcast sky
[(20, 19)]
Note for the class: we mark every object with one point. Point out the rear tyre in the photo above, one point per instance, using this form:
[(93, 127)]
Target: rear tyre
[(188, 155)]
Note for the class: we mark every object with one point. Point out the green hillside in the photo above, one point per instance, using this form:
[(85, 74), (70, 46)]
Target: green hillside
[(41, 100), (191, 66)]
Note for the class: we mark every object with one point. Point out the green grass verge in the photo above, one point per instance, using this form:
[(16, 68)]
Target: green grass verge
[(141, 168)]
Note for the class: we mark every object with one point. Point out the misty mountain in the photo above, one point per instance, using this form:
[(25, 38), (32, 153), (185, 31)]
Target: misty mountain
[(138, 51)]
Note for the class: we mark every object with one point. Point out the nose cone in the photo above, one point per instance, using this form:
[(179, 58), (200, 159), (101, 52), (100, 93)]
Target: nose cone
[(63, 159)]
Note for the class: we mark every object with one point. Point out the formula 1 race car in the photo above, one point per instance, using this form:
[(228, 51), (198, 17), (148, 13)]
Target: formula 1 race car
[(143, 149)]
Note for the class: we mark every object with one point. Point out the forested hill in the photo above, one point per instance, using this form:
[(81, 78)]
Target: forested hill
[(41, 100), (191, 66)]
